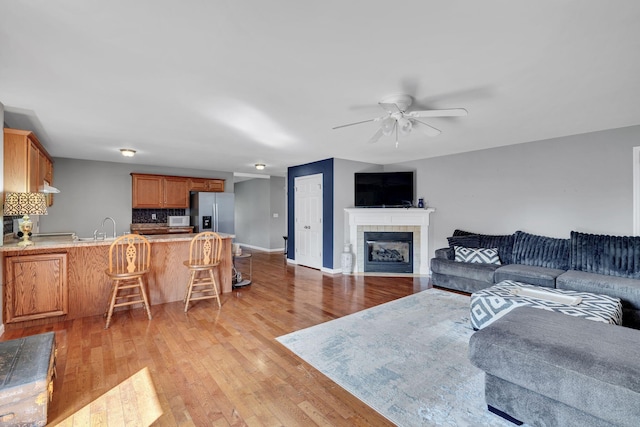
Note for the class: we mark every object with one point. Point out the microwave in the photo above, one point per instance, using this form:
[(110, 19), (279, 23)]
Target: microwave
[(178, 221)]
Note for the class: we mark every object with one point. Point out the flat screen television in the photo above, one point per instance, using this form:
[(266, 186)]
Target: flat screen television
[(383, 189)]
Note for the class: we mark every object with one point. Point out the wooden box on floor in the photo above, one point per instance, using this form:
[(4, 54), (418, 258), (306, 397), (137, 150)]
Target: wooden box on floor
[(26, 379)]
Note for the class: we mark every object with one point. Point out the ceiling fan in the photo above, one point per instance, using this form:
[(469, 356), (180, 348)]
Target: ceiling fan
[(397, 119)]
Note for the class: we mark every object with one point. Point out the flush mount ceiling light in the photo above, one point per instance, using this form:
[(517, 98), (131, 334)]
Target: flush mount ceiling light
[(128, 152), (260, 166)]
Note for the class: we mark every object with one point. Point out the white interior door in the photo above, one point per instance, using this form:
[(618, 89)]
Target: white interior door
[(308, 220)]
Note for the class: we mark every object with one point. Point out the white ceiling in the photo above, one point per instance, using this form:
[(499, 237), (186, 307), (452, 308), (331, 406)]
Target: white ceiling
[(223, 85)]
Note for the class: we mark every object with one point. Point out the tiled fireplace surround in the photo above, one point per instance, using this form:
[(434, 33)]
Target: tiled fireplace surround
[(390, 219)]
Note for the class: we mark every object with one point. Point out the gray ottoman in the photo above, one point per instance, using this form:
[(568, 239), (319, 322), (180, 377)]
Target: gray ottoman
[(492, 303), (548, 369)]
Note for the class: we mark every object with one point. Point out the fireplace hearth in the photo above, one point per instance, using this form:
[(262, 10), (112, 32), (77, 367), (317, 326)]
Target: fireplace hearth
[(388, 252)]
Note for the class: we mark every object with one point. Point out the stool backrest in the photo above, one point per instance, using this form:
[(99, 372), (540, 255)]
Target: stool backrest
[(205, 249), (129, 254)]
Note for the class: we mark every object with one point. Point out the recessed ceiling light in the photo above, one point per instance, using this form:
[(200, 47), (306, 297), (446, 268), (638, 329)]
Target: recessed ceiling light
[(128, 152), (260, 166)]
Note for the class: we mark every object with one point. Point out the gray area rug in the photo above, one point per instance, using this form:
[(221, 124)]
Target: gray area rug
[(407, 359)]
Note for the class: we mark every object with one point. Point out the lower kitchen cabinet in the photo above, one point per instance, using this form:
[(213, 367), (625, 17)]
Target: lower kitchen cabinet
[(35, 287)]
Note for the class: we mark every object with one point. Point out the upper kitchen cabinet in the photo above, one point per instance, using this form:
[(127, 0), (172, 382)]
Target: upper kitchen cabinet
[(158, 191), (27, 165), (176, 192), (206, 184)]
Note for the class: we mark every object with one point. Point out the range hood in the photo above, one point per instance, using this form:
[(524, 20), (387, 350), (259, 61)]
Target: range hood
[(47, 189)]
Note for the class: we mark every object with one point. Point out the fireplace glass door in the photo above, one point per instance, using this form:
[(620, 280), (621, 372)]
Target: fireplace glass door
[(390, 252)]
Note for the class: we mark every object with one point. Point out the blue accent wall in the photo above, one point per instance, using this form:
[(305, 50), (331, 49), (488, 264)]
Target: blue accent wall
[(325, 167)]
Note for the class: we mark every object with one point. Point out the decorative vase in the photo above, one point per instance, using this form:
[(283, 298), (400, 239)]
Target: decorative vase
[(421, 203), (346, 259)]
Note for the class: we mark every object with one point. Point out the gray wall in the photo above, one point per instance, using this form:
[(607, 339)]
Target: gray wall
[(343, 197), (580, 182), (278, 225), (252, 212), (256, 202), (90, 191)]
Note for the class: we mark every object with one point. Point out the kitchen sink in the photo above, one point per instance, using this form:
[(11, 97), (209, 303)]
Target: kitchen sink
[(91, 239)]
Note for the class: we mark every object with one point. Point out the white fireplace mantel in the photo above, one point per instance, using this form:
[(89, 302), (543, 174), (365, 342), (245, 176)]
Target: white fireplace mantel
[(390, 217)]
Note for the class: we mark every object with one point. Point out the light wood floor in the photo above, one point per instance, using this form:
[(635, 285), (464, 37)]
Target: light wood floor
[(221, 367)]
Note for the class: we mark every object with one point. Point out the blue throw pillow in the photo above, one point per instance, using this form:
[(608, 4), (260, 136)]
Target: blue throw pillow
[(468, 241), (463, 233), (541, 251), (477, 255), (604, 254)]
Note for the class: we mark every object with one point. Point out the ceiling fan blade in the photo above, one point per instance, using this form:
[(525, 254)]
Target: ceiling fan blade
[(452, 112), (390, 107), (376, 136), (356, 123), (428, 129)]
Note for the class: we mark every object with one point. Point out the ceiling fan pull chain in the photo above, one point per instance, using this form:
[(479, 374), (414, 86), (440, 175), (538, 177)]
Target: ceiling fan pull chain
[(396, 136)]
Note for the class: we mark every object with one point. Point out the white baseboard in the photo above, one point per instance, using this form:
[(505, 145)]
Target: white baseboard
[(323, 269)]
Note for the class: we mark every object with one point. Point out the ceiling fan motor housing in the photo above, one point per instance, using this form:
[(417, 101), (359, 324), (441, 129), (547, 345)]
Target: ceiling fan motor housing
[(402, 101)]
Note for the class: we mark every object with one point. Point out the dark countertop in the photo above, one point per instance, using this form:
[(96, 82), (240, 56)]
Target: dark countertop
[(158, 228)]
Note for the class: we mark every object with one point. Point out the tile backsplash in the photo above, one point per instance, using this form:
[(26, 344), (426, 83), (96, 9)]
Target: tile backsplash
[(144, 216)]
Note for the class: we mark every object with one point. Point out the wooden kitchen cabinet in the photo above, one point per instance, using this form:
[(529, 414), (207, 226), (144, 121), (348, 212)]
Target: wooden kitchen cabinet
[(158, 191), (35, 287), (169, 192), (176, 192), (27, 165), (206, 184)]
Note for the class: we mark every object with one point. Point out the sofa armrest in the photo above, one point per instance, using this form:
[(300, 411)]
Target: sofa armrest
[(445, 253)]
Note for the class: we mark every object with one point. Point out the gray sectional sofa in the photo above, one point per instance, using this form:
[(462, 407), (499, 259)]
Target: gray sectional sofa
[(601, 264)]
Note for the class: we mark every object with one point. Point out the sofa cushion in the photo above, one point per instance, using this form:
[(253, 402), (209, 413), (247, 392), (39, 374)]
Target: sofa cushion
[(541, 251), (476, 255), (481, 272), (586, 365), (603, 254), (504, 243), (534, 275), (628, 290)]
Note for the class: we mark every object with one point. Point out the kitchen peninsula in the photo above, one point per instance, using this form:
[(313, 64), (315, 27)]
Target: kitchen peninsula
[(60, 279)]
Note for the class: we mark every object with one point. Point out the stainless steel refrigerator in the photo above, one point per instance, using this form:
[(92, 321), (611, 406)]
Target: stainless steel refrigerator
[(212, 212)]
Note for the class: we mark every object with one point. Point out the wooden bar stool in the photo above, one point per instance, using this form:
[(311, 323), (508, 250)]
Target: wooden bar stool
[(205, 251), (129, 260)]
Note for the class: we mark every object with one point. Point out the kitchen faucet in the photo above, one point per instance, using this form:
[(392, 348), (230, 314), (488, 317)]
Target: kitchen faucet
[(114, 225)]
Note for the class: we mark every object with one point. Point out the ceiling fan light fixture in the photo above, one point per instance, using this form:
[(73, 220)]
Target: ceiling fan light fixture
[(405, 125), (387, 126)]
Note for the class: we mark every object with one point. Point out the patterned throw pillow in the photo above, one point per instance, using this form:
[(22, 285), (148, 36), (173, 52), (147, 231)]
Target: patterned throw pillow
[(477, 255)]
